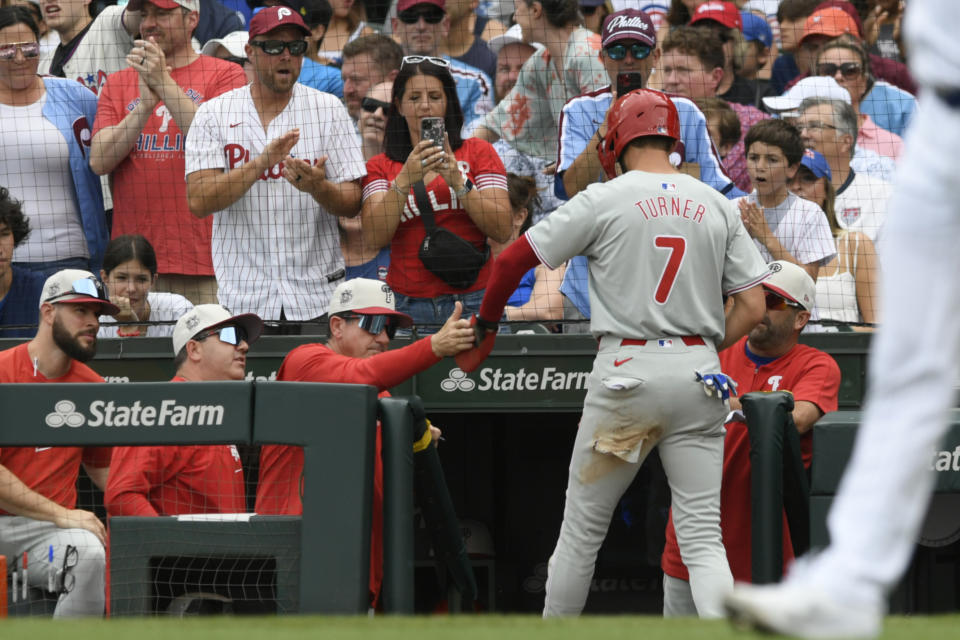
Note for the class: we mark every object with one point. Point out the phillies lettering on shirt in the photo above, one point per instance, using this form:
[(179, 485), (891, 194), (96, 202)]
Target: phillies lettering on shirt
[(238, 155)]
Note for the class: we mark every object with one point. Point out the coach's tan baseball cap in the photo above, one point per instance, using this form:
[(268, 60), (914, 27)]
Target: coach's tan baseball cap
[(213, 316), (792, 282), (369, 297)]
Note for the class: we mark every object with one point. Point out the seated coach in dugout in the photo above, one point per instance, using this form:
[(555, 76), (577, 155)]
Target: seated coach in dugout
[(362, 321), (210, 344)]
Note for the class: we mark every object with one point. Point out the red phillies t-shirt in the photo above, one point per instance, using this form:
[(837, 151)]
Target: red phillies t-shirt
[(174, 480), (281, 466), (407, 275), (149, 189), (50, 471), (808, 373)]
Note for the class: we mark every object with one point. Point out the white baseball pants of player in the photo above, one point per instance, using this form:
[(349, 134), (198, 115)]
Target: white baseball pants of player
[(639, 397), (87, 597), (882, 499)]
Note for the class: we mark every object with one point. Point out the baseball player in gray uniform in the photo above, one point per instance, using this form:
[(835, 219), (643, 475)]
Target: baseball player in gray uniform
[(663, 249)]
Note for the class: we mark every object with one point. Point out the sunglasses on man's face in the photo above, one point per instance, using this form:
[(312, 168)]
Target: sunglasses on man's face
[(374, 324), (233, 334), (618, 52), (370, 105), (779, 303), (276, 47), (850, 70), (28, 49), (430, 16), (440, 62)]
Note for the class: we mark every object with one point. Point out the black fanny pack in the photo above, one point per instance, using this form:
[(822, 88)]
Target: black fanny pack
[(444, 253)]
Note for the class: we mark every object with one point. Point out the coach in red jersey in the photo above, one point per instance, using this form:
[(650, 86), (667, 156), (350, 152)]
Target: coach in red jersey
[(210, 344), (768, 359), (38, 485), (363, 319)]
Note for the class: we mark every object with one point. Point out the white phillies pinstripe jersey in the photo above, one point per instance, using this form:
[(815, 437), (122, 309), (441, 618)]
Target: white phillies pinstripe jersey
[(275, 247)]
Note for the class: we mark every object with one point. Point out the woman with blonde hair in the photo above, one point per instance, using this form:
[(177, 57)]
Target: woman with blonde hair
[(846, 285)]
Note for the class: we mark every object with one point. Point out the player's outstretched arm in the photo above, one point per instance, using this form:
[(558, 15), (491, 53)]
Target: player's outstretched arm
[(455, 335), (747, 310)]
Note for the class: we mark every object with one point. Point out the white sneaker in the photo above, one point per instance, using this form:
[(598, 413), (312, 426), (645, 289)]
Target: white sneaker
[(799, 611)]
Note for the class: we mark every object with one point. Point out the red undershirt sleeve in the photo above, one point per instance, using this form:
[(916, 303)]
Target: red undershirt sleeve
[(507, 271), (383, 370)]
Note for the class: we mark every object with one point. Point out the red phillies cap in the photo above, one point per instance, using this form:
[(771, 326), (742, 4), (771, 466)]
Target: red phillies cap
[(269, 18), (403, 5), (628, 24), (726, 13)]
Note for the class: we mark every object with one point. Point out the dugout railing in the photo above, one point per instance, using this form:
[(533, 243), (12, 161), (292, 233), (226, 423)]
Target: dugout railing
[(508, 428), (335, 425)]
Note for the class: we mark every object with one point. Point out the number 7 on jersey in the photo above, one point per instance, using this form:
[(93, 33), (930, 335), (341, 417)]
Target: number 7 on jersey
[(677, 246)]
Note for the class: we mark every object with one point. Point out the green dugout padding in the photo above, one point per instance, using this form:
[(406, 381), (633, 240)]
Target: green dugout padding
[(335, 424), (778, 482), (833, 440), (534, 373), (135, 414)]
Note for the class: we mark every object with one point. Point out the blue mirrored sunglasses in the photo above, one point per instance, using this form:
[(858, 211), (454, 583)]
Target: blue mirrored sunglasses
[(85, 287), (618, 52)]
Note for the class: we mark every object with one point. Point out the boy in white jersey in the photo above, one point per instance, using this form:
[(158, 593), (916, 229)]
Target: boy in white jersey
[(784, 226)]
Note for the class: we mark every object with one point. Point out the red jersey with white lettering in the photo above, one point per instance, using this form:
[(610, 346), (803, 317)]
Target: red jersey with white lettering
[(174, 480), (149, 192), (281, 466), (810, 375), (407, 275), (275, 247), (50, 471)]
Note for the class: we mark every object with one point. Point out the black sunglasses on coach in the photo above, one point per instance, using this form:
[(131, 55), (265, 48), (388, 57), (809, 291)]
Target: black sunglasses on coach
[(276, 47), (432, 15), (233, 334), (374, 324), (370, 105)]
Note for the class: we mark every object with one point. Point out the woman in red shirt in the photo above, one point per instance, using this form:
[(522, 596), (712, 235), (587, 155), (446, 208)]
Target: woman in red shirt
[(465, 182)]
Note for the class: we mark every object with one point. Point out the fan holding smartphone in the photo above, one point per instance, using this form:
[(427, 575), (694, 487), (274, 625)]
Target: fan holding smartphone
[(431, 190)]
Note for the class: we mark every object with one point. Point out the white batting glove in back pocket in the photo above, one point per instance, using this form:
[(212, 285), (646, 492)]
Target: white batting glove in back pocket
[(621, 383)]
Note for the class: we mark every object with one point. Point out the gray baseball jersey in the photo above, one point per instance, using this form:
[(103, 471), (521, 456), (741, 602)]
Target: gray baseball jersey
[(662, 249)]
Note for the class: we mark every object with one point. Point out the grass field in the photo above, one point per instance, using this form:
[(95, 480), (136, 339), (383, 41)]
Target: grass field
[(425, 628)]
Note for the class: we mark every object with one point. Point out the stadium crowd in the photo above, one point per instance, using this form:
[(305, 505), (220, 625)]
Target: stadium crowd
[(239, 166)]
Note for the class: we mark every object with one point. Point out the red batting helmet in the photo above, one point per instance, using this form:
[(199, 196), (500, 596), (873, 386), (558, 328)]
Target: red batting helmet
[(640, 113)]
